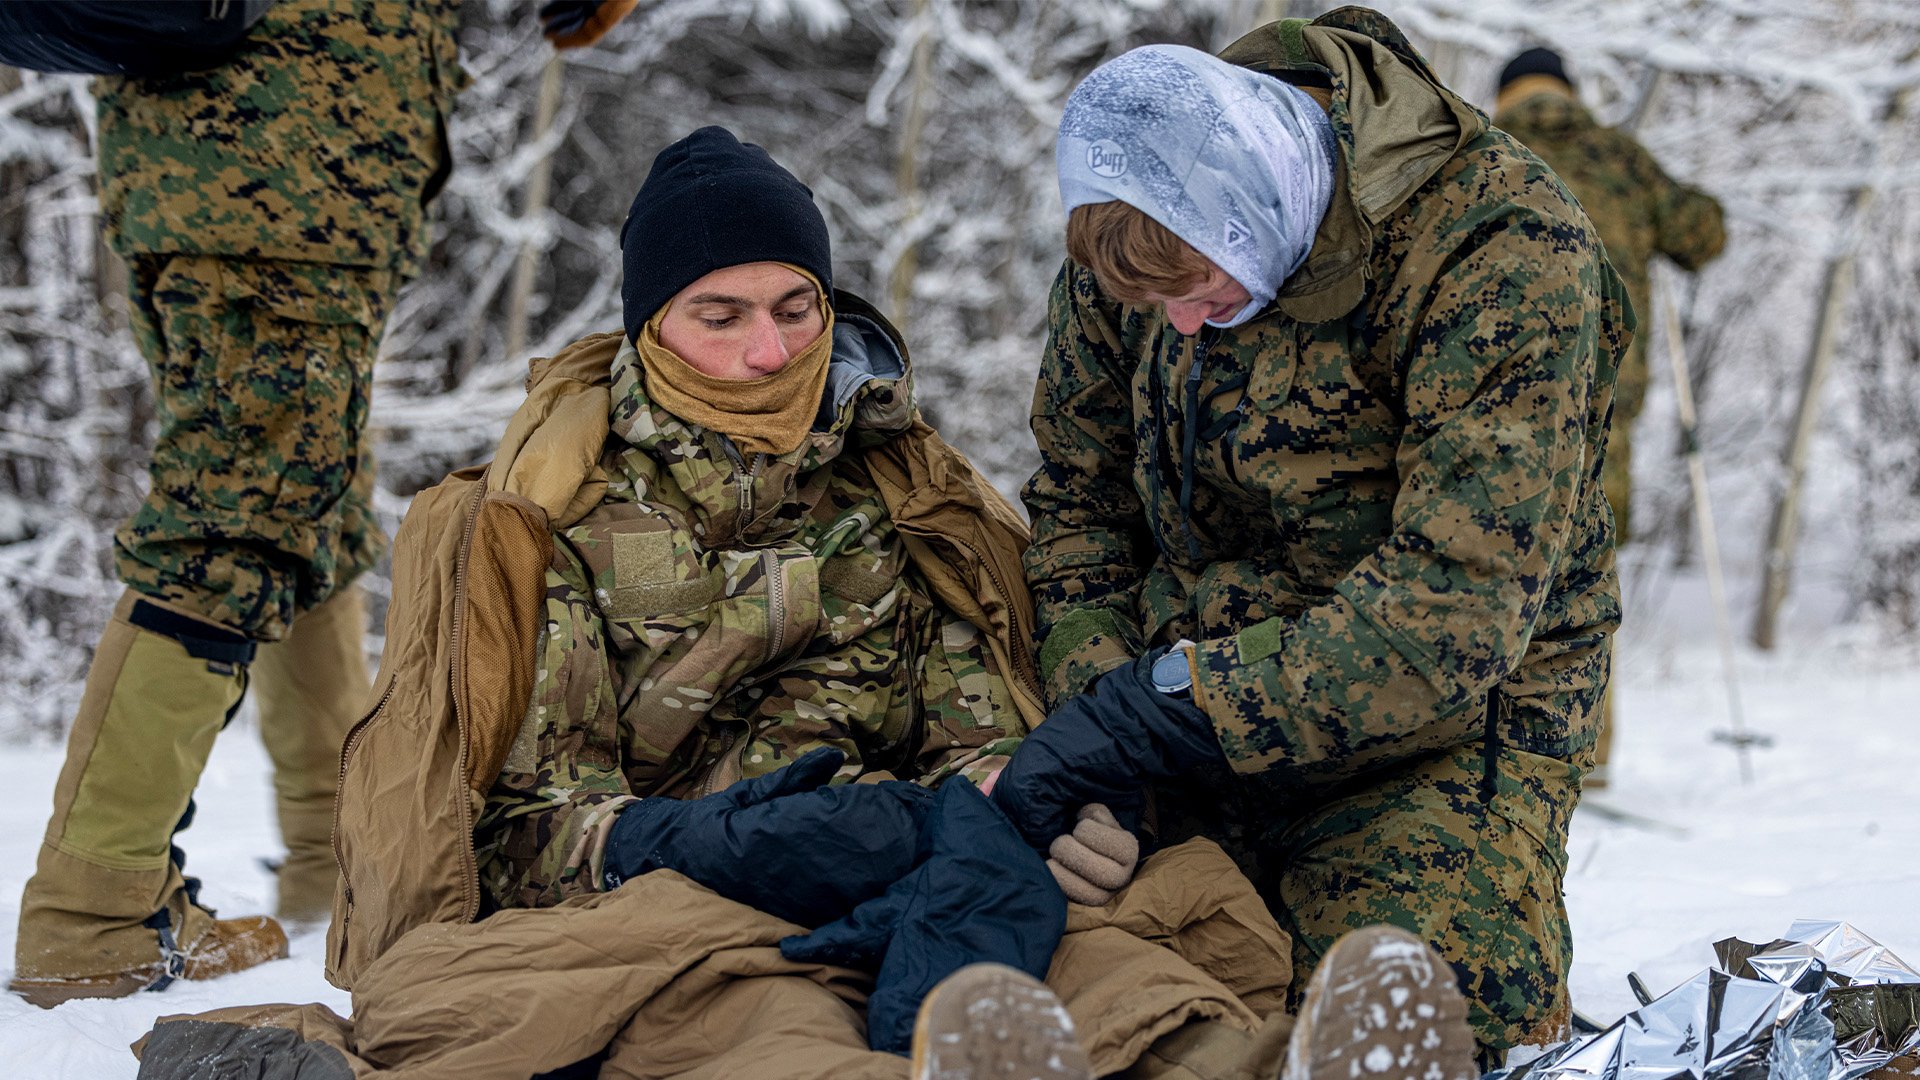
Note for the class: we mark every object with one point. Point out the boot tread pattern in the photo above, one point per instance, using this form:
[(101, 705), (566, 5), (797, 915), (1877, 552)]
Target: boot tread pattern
[(989, 1022), (1383, 1006)]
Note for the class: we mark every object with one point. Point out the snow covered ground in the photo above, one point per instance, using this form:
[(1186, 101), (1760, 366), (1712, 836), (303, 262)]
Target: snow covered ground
[(1828, 829)]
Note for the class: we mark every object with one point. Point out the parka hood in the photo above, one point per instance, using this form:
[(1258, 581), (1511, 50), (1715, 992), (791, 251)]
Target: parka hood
[(867, 383), (1395, 125)]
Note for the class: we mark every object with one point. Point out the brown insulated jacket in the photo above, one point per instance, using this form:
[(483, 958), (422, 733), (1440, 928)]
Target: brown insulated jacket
[(469, 572)]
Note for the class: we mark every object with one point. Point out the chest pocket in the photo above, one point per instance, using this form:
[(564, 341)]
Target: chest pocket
[(1248, 380)]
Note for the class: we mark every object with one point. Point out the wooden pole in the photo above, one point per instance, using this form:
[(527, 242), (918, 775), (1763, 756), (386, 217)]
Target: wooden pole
[(538, 197), (906, 168), (1783, 534)]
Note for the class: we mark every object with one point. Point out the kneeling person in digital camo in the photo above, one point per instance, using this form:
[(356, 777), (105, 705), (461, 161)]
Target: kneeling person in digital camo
[(1321, 551)]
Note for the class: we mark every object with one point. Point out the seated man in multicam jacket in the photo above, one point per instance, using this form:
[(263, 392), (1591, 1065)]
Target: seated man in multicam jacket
[(741, 600)]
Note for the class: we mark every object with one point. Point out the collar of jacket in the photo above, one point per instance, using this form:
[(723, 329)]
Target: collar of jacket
[(1396, 126), (867, 398), (550, 452)]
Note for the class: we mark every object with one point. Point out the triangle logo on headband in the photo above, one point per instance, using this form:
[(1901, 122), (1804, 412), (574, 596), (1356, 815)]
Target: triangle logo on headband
[(1237, 232)]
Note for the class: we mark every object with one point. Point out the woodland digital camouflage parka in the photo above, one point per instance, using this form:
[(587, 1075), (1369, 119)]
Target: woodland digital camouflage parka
[(320, 141), (1376, 506), (718, 615)]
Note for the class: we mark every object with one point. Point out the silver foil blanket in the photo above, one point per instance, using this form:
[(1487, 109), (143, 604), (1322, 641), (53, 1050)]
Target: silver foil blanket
[(1824, 1002)]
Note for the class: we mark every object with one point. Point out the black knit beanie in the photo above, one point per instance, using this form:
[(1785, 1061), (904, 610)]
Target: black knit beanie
[(1535, 61), (710, 202)]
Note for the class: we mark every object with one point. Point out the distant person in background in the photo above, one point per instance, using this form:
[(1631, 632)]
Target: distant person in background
[(266, 226), (1639, 212)]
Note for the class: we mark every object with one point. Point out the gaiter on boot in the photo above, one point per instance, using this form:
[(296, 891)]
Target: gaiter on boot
[(311, 689), (108, 911)]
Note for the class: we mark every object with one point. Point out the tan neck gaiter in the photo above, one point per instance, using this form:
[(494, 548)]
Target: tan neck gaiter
[(768, 415)]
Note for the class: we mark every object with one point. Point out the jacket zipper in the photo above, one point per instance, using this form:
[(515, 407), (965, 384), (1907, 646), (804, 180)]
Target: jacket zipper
[(776, 604), (776, 588), (1189, 438), (1023, 661), (746, 476), (346, 751), (470, 898)]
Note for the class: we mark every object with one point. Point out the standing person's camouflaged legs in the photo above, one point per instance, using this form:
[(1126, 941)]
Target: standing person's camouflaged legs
[(1329, 423), (262, 480), (1640, 212), (266, 227)]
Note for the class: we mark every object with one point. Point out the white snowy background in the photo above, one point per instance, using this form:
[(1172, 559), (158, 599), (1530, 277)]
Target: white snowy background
[(925, 127)]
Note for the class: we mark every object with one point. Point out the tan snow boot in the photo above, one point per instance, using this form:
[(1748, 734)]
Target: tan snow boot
[(991, 1022), (311, 688), (218, 947), (107, 911), (1381, 1005)]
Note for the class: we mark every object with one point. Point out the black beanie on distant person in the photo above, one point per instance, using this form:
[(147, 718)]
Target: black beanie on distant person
[(712, 201), (1536, 61)]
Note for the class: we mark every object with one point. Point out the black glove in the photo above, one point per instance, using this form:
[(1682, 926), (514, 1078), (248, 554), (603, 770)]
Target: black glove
[(1104, 746), (981, 895), (783, 843)]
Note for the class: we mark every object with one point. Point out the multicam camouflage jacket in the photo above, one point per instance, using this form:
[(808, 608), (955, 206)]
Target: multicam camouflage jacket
[(1377, 505), (1636, 207), (320, 141), (718, 615)]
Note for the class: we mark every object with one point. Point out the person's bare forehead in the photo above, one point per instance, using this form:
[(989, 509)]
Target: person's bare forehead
[(804, 289)]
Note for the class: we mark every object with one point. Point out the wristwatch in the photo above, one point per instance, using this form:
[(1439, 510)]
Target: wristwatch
[(1173, 672)]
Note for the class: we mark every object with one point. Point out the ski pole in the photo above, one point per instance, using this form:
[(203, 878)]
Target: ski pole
[(1737, 734)]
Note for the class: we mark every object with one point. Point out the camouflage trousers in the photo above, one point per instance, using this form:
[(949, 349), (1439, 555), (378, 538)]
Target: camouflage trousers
[(259, 505), (1425, 848)]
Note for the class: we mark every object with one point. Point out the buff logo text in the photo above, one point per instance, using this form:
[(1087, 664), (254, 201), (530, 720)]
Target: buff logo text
[(1106, 158)]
